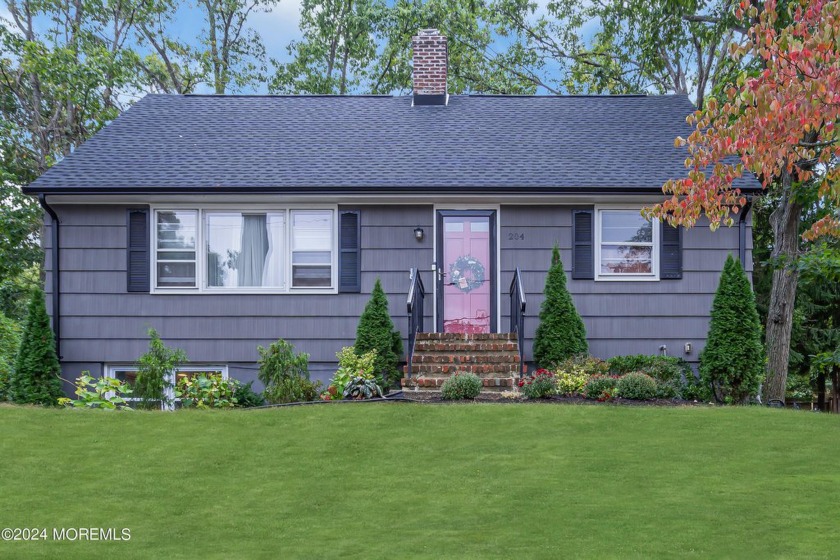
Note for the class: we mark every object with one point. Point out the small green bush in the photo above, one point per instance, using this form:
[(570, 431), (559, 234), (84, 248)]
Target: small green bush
[(461, 386), (661, 368), (207, 391), (573, 373), (636, 386), (539, 385), (105, 393), (286, 374), (695, 390), (601, 387), (246, 397), (350, 365), (155, 371)]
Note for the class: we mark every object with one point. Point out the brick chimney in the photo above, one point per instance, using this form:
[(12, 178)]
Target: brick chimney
[(430, 62)]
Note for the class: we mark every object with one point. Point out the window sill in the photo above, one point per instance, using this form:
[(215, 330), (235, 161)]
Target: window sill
[(627, 278), (196, 292)]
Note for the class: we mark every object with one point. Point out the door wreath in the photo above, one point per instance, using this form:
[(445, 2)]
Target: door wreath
[(466, 273)]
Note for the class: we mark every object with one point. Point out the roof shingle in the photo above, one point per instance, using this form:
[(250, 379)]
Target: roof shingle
[(322, 143)]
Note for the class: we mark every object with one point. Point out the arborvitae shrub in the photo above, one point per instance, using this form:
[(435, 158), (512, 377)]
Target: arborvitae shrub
[(35, 379), (561, 333), (733, 360), (376, 332)]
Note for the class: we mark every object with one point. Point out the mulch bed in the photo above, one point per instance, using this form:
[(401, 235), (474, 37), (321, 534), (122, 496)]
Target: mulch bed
[(434, 397)]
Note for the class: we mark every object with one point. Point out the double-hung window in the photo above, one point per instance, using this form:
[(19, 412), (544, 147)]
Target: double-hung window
[(626, 245), (275, 250)]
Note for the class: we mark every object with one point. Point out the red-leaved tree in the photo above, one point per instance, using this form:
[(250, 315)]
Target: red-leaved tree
[(779, 123)]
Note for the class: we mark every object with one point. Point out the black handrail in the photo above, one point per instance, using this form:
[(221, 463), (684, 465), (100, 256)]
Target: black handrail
[(416, 299), (517, 314)]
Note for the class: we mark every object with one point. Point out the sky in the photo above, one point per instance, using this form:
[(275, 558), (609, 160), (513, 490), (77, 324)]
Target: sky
[(277, 28)]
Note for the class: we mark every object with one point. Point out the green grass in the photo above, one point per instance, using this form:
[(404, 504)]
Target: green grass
[(409, 481)]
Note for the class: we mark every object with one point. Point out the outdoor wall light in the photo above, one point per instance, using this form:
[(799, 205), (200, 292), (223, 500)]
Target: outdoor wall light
[(418, 233)]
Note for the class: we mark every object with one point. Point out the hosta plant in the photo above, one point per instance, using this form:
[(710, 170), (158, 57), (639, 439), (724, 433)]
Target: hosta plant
[(360, 388), (206, 391), (539, 385), (104, 392)]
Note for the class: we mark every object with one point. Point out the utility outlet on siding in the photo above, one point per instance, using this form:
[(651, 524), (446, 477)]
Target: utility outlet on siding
[(688, 348)]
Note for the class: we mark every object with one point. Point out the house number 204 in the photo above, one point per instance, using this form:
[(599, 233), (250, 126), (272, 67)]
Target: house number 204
[(516, 236)]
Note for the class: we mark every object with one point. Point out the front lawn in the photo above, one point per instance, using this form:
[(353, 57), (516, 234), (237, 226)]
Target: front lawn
[(408, 481)]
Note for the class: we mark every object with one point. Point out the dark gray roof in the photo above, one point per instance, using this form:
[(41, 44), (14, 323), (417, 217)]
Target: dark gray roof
[(172, 143)]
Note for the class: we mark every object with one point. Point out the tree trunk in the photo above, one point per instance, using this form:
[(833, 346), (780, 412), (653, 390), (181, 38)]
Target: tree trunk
[(835, 391), (785, 223)]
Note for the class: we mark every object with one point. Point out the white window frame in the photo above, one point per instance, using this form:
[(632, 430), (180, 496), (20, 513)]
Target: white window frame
[(201, 253), (628, 277), (111, 369)]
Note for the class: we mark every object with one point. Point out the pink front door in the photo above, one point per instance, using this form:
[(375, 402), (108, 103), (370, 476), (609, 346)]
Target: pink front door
[(467, 273)]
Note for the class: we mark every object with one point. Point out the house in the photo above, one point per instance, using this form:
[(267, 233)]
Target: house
[(226, 222)]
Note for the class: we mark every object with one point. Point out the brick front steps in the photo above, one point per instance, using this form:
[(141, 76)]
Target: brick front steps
[(437, 356)]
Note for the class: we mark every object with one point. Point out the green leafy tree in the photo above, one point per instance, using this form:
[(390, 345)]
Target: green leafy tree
[(9, 342), (35, 379), (364, 46), (156, 371), (733, 360), (639, 46), (561, 333), (376, 332)]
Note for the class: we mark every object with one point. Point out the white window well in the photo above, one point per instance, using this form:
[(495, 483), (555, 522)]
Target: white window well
[(273, 250), (626, 245), (128, 375)]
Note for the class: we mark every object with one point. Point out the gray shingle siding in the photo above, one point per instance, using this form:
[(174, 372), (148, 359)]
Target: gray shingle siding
[(102, 323), (620, 317)]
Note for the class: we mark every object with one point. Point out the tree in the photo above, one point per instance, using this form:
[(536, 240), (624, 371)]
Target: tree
[(337, 50), (172, 66), (364, 46), (35, 379), (9, 342), (733, 360), (156, 372), (780, 125), (376, 332), (234, 55), (639, 46), (561, 333)]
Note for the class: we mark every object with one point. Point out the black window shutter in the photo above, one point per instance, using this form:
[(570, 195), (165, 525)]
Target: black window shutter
[(670, 254), (349, 257), (583, 254), (138, 250)]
